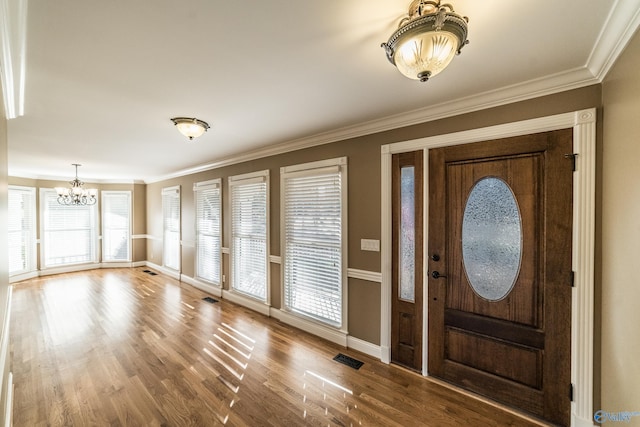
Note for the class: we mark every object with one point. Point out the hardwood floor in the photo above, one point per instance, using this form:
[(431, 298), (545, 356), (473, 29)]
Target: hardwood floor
[(122, 347)]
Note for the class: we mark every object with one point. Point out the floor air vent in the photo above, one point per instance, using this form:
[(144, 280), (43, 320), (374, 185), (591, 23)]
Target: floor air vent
[(151, 273), (349, 361), (209, 299)]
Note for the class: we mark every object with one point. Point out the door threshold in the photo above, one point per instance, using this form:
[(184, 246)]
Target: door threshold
[(521, 414)]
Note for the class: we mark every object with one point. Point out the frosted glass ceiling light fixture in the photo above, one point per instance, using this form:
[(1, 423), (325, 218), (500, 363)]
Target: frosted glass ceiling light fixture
[(190, 127), (76, 195), (427, 39)]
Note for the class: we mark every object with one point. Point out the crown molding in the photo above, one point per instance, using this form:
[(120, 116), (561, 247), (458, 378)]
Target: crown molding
[(572, 79), (625, 18), (66, 178)]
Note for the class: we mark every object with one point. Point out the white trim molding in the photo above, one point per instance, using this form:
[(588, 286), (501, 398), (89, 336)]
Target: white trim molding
[(369, 276), (164, 270), (583, 247), (363, 346), (245, 301), (275, 259), (334, 335), (144, 236), (4, 354)]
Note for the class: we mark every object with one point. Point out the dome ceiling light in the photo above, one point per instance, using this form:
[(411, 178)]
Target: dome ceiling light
[(190, 127), (427, 39)]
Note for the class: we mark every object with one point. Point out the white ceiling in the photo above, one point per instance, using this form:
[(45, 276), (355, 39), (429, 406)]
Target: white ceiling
[(104, 77)]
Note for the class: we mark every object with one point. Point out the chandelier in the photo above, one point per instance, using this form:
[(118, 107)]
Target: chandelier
[(427, 39), (190, 127), (76, 195)]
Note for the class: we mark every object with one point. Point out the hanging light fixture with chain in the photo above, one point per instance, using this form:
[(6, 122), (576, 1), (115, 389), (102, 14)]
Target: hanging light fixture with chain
[(76, 194), (427, 39)]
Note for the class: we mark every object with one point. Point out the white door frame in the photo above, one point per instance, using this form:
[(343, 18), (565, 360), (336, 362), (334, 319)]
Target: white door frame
[(583, 248)]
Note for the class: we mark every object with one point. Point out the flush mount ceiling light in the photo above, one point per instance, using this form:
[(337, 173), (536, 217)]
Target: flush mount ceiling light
[(190, 126), (76, 195), (427, 39)]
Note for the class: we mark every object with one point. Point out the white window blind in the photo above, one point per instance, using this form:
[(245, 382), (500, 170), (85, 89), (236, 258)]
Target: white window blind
[(69, 231), (313, 258), (116, 226), (208, 230), (249, 225), (171, 227), (22, 229)]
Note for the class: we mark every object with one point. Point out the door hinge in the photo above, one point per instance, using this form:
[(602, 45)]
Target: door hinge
[(572, 279), (571, 392), (572, 157)]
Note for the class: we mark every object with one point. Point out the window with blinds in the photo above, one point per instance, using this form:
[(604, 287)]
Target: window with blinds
[(69, 232), (313, 211), (22, 229), (116, 226), (249, 226), (171, 227), (208, 199)]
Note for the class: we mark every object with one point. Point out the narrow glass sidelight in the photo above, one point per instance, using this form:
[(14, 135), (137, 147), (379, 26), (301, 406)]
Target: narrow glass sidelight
[(407, 243), (492, 238)]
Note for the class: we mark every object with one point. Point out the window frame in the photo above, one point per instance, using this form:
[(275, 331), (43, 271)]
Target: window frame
[(214, 184), (169, 191), (310, 169), (44, 192), (248, 179), (30, 241), (105, 194)]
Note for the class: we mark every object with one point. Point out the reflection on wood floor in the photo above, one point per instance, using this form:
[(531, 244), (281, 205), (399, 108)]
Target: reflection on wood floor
[(122, 347)]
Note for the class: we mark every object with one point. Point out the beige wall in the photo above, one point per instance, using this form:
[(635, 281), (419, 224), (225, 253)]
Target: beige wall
[(620, 310), (363, 155)]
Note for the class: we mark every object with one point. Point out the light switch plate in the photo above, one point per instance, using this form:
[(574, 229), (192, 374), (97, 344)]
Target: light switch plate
[(370, 245)]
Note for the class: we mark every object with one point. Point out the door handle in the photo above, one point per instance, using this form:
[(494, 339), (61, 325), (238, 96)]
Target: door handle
[(436, 274)]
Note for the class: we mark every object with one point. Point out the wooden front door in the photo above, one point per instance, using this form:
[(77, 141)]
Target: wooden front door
[(500, 221), (407, 253)]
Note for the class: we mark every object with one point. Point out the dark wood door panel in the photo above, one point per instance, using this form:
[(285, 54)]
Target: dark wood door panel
[(407, 316), (501, 389), (514, 347), (521, 304), (500, 329), (506, 359)]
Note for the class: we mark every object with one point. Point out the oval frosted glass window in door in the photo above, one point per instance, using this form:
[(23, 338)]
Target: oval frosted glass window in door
[(491, 238)]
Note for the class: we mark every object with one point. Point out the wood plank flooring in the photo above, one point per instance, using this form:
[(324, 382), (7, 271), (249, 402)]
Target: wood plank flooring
[(121, 347)]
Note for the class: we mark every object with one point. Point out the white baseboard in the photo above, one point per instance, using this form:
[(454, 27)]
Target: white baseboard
[(126, 264), (363, 346), (166, 271), (206, 287), (4, 355), (8, 407), (252, 304), (69, 269), (329, 334), (23, 276)]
